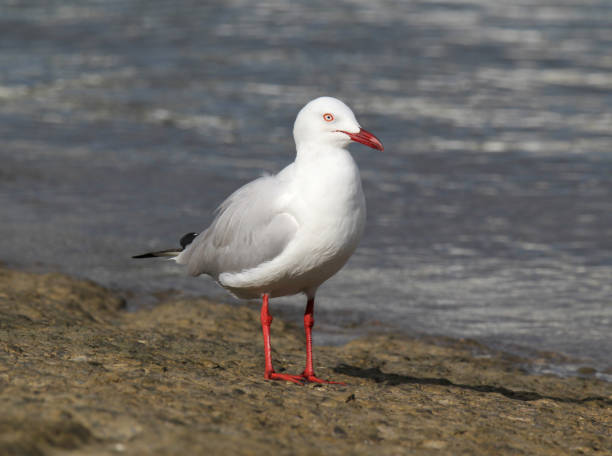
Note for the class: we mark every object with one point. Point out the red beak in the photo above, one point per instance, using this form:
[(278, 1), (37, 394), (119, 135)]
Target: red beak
[(365, 137)]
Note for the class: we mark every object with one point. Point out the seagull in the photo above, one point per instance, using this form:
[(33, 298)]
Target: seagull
[(286, 234)]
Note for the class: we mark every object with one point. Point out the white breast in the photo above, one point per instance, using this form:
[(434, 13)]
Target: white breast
[(327, 201)]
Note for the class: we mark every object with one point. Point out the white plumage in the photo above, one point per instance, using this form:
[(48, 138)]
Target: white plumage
[(288, 233)]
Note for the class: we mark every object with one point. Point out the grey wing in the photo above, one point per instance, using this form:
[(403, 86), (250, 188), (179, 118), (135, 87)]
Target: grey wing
[(250, 228)]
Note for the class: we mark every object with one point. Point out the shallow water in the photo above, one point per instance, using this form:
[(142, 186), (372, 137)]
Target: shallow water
[(124, 124)]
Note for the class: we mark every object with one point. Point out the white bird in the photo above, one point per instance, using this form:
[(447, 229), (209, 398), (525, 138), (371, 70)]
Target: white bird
[(288, 233)]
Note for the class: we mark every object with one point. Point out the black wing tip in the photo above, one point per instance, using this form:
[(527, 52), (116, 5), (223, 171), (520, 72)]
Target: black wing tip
[(144, 255), (187, 239)]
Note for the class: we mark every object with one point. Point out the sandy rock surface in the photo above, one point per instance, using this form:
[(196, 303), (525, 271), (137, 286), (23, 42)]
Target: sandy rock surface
[(80, 375)]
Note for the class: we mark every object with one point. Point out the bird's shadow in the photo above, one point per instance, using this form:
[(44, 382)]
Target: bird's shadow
[(374, 373)]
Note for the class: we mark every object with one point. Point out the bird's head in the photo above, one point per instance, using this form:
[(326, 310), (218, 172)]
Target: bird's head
[(326, 121)]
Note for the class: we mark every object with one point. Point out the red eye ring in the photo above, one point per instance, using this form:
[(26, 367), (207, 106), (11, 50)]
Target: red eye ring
[(328, 117)]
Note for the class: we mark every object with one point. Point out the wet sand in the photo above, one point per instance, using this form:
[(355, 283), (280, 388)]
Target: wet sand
[(80, 374)]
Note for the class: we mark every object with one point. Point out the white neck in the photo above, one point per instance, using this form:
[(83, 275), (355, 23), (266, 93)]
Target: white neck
[(307, 152)]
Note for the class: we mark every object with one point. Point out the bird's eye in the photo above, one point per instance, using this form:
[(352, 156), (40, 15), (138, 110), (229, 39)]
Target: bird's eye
[(328, 117)]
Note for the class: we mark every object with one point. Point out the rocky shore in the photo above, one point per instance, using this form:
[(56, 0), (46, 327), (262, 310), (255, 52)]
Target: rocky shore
[(80, 375)]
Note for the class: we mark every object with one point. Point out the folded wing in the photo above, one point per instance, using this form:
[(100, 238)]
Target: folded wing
[(251, 227)]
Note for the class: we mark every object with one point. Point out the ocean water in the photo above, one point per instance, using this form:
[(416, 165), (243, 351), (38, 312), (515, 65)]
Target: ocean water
[(123, 124)]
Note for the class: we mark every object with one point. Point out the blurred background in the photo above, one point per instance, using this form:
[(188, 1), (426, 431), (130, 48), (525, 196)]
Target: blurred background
[(124, 123)]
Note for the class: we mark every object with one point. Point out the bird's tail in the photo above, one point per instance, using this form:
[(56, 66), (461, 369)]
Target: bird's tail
[(185, 241)]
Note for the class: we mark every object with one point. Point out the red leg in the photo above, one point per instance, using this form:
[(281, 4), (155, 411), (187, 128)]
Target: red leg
[(308, 373), (266, 321)]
